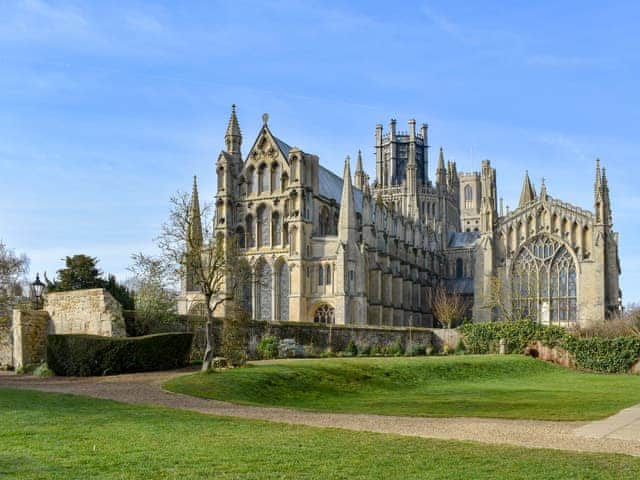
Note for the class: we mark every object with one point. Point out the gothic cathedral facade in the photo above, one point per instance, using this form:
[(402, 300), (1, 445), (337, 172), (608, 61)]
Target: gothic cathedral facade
[(323, 248)]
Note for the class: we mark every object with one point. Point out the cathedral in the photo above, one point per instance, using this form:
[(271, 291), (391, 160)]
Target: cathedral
[(326, 248)]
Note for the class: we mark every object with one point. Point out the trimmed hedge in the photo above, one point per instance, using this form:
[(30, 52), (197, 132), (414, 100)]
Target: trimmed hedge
[(86, 355), (607, 355)]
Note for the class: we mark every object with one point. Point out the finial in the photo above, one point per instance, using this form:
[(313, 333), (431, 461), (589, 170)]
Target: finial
[(233, 108), (265, 118)]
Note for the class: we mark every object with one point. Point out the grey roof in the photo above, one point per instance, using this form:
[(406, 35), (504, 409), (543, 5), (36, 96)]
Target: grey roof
[(460, 285), (463, 239), (284, 148), (330, 186)]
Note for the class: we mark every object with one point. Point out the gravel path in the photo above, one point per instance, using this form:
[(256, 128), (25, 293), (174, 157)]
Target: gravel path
[(146, 388)]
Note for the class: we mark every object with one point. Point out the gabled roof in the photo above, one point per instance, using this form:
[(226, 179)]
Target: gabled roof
[(284, 148), (463, 239), (330, 186)]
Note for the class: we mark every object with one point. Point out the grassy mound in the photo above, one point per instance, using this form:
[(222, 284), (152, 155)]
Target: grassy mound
[(54, 436), (480, 386)]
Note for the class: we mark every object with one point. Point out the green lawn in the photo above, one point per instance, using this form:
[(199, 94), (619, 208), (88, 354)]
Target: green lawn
[(511, 386), (48, 436)]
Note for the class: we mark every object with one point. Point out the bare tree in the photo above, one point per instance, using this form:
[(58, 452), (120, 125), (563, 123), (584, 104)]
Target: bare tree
[(448, 307), (208, 261), (12, 269), (521, 308)]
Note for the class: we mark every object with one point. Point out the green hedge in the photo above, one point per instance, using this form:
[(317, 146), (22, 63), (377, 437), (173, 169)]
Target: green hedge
[(608, 355), (84, 355)]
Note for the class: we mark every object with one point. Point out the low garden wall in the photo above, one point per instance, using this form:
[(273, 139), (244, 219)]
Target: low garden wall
[(29, 337), (317, 338), (6, 344)]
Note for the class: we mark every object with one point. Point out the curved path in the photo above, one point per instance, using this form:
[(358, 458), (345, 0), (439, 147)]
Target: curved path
[(146, 388)]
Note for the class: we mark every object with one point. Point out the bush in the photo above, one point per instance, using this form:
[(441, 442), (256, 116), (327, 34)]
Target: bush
[(375, 351), (235, 337), (84, 355), (268, 347), (351, 350), (417, 350), (607, 355), (395, 349), (43, 371), (364, 350)]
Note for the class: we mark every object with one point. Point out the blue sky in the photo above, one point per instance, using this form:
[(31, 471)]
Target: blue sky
[(107, 108)]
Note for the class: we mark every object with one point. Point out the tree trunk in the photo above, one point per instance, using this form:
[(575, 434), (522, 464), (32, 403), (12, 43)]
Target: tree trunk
[(208, 352)]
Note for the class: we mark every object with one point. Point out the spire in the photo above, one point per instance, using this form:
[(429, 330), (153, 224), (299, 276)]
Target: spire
[(347, 219), (233, 136), (360, 178), (195, 220), (598, 175), (528, 193), (543, 190), (441, 173)]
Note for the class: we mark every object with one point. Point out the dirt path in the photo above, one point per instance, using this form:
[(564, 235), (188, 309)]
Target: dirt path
[(146, 388)]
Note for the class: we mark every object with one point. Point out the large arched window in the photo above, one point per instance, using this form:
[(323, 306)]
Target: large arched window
[(324, 314), (263, 226), (250, 233), (275, 177), (544, 280), (264, 291), (283, 292), (468, 197), (276, 229)]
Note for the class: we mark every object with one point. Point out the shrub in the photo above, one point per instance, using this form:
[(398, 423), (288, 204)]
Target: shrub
[(608, 355), (351, 350), (395, 349), (268, 347), (235, 337), (84, 355), (364, 350), (43, 371), (417, 350), (375, 351), (460, 348)]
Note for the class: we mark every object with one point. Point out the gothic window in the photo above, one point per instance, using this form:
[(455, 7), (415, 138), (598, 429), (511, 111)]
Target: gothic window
[(262, 179), (459, 268), (241, 237), (285, 181), (324, 314), (246, 293), (283, 292), (276, 229), (328, 275), (320, 275), (264, 291), (263, 226), (325, 222), (221, 178), (250, 239), (250, 178), (544, 274), (468, 197), (275, 177)]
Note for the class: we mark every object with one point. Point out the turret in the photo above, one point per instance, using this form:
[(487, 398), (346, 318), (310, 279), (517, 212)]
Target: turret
[(360, 178), (347, 224), (488, 202), (233, 136), (528, 193), (441, 173), (601, 194), (425, 152)]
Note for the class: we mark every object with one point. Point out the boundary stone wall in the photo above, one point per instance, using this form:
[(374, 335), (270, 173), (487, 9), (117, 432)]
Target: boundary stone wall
[(91, 312), (319, 336), (6, 344), (29, 337)]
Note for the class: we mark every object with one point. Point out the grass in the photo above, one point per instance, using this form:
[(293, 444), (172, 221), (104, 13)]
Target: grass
[(481, 386), (53, 436)]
